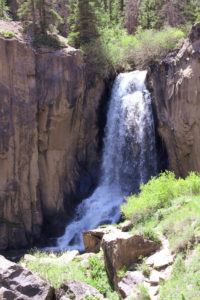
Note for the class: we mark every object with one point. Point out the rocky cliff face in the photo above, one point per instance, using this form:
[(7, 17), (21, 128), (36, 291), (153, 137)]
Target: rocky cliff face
[(48, 137), (176, 91)]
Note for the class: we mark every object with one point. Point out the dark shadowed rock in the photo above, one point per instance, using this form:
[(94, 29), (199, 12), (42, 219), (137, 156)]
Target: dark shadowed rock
[(19, 283)]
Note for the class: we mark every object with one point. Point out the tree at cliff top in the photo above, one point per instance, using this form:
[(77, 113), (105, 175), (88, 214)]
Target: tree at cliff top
[(4, 10), (132, 15), (41, 13), (157, 13), (84, 33)]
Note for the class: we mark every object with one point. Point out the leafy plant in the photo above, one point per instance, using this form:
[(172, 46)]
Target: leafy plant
[(7, 34)]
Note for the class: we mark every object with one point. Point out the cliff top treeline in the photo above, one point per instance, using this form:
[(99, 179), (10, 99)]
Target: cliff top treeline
[(115, 34)]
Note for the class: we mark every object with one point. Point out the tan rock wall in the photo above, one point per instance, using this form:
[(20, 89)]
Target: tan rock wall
[(48, 137), (176, 91)]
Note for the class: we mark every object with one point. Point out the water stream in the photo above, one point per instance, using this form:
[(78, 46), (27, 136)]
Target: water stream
[(129, 158)]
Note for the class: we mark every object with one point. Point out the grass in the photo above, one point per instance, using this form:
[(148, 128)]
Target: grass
[(185, 279), (167, 205), (56, 271), (7, 34)]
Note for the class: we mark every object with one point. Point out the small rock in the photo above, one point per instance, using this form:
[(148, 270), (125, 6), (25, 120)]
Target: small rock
[(160, 259), (77, 290), (154, 277), (153, 291), (126, 226), (68, 256), (128, 285)]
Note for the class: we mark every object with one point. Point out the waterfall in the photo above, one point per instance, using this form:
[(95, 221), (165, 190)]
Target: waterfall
[(129, 158)]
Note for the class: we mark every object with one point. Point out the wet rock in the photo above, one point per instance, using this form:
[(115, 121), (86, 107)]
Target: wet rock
[(122, 249), (17, 282), (77, 290)]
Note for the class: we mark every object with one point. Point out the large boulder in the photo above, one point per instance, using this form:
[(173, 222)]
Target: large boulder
[(17, 282), (123, 250), (77, 290)]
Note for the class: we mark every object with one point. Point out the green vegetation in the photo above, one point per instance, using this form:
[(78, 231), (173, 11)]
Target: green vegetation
[(167, 205), (113, 35), (4, 10), (7, 34), (55, 270), (185, 279)]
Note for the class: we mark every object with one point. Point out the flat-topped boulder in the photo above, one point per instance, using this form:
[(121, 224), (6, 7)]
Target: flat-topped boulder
[(92, 238), (122, 249)]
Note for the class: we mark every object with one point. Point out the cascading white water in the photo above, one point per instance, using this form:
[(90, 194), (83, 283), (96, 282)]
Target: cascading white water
[(129, 158)]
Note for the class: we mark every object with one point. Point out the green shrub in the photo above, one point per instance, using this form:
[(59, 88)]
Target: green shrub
[(7, 34), (159, 193), (145, 47), (47, 40)]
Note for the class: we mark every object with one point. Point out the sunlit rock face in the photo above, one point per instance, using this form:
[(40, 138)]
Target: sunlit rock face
[(176, 92), (49, 137)]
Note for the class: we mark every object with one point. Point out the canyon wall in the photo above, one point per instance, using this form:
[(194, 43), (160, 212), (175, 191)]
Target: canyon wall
[(175, 83), (49, 137)]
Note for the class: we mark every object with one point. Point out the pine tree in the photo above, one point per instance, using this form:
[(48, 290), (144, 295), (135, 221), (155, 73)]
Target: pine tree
[(4, 10), (41, 13), (83, 23), (157, 13)]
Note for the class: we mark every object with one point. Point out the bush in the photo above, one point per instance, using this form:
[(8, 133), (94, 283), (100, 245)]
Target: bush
[(158, 193), (7, 34), (147, 46), (47, 40)]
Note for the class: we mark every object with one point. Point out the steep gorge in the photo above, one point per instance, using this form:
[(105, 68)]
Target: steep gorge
[(49, 129), (48, 137)]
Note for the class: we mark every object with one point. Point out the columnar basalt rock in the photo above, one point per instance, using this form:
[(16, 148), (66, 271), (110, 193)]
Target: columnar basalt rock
[(48, 136), (176, 91)]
